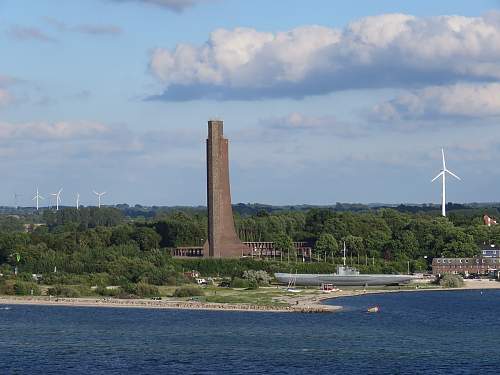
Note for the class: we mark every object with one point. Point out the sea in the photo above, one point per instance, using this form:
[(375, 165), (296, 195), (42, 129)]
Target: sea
[(456, 332)]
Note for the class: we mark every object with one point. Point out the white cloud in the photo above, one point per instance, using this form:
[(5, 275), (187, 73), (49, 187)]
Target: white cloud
[(472, 101), (392, 50)]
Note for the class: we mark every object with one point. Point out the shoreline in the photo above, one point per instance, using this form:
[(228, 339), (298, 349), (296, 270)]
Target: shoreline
[(308, 302), (163, 304)]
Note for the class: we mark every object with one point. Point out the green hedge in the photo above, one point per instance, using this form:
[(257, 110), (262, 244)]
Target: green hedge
[(188, 291)]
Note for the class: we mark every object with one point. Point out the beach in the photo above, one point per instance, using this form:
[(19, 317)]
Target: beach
[(307, 301)]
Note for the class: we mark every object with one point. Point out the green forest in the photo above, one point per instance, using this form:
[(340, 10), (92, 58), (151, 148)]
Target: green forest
[(124, 246)]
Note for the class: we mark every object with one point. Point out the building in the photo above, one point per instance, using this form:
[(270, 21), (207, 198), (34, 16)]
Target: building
[(223, 242), (491, 251), (489, 221), (249, 249), (465, 266)]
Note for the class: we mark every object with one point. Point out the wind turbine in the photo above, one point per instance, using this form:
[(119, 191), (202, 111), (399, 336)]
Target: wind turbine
[(77, 201), (37, 197), (99, 195), (58, 198), (443, 175), (16, 199)]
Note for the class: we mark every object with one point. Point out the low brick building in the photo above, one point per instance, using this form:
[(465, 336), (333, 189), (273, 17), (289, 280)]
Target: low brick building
[(477, 265)]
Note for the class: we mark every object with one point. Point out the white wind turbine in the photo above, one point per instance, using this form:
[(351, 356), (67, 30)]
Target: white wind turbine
[(443, 175), (99, 195), (58, 198), (37, 197), (77, 201)]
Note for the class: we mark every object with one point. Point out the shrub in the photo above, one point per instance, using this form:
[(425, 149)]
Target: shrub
[(253, 284), (143, 289), (7, 287), (20, 288), (65, 291), (107, 292), (26, 288), (257, 277), (238, 282), (172, 280), (451, 281), (188, 291)]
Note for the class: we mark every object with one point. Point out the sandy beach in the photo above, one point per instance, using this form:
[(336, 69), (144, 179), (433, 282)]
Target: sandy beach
[(164, 304), (308, 301)]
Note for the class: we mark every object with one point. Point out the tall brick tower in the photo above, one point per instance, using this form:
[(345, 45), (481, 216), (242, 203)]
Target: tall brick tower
[(222, 239)]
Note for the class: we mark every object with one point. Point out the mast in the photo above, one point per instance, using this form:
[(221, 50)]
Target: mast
[(344, 253)]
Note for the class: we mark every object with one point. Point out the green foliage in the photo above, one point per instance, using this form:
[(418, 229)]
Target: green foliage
[(326, 244), (143, 289), (238, 282), (259, 277), (68, 291), (94, 246), (19, 287), (451, 281), (188, 291), (109, 292)]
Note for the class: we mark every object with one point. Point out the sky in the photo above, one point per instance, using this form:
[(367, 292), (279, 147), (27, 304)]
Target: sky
[(323, 101)]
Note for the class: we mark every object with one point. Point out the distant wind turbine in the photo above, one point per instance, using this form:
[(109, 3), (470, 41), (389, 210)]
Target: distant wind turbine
[(443, 175), (77, 201), (99, 195), (37, 197), (16, 199), (58, 198)]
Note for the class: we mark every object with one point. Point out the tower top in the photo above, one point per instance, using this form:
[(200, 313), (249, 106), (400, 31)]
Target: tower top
[(215, 127)]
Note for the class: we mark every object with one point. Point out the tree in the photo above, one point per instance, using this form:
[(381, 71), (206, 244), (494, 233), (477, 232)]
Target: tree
[(326, 245), (284, 244)]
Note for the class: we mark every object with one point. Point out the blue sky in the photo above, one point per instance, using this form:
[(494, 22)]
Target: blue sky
[(322, 101)]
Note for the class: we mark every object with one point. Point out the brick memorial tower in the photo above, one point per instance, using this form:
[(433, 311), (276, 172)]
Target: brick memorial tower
[(223, 241)]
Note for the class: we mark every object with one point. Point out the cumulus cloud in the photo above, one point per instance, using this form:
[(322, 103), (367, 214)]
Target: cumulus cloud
[(391, 50), (29, 34), (467, 101), (173, 5)]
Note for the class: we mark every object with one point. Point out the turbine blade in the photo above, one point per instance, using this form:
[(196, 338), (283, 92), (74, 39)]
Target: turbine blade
[(444, 162), (95, 192), (454, 175), (439, 175)]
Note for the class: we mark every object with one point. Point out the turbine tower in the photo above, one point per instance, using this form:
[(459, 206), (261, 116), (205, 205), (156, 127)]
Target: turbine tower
[(77, 201), (16, 199), (99, 195), (37, 197), (58, 198), (443, 175)]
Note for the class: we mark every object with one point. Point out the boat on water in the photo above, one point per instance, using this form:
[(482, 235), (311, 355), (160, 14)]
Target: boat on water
[(374, 309), (345, 276)]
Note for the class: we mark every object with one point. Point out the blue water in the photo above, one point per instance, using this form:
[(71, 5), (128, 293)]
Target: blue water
[(415, 333)]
